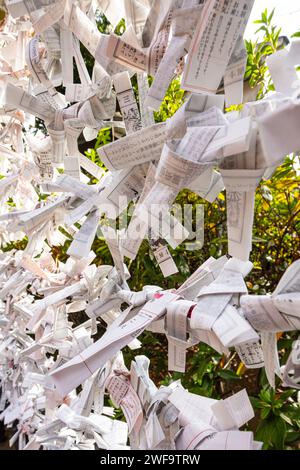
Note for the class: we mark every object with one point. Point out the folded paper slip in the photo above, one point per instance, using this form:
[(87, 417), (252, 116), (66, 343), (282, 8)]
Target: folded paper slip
[(76, 371)]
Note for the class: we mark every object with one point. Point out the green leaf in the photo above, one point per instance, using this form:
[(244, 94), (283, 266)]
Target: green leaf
[(292, 436), (286, 419), (267, 395), (228, 375), (265, 412), (293, 412), (271, 16), (264, 16), (255, 402), (272, 432)]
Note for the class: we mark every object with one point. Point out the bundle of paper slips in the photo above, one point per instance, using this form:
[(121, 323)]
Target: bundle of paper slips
[(55, 376)]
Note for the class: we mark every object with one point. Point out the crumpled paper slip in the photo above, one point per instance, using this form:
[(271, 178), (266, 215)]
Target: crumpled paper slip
[(185, 323), (59, 336), (175, 419), (29, 391), (291, 371)]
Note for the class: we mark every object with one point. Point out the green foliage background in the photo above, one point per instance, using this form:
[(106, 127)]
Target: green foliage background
[(276, 245)]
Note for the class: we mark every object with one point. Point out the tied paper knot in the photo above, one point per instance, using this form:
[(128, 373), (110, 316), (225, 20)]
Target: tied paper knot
[(274, 314), (291, 373), (115, 292), (212, 424), (177, 333), (216, 311), (124, 397)]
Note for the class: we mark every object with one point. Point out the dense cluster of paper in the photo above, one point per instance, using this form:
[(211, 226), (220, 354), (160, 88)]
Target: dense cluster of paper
[(54, 375)]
